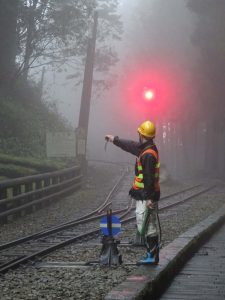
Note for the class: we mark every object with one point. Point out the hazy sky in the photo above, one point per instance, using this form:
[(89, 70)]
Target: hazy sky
[(107, 114), (68, 96)]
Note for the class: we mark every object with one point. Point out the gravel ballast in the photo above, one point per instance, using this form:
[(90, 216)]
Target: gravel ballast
[(94, 282)]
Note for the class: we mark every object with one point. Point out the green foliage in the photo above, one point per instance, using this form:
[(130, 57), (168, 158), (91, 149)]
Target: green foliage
[(38, 165), (55, 32), (24, 120), (51, 32), (14, 166), (13, 171), (47, 27)]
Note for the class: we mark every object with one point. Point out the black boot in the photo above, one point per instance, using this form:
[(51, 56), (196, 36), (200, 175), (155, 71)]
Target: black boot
[(152, 244)]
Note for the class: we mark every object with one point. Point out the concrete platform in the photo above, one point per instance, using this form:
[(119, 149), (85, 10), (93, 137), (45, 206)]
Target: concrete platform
[(203, 276), (148, 282)]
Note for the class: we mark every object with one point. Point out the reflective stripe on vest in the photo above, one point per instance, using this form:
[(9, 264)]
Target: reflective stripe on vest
[(138, 181)]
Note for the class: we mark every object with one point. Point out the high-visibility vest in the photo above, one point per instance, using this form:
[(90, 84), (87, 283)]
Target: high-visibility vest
[(139, 178)]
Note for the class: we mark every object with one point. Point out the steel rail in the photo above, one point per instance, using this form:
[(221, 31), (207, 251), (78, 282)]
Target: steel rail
[(84, 219), (16, 262), (168, 206)]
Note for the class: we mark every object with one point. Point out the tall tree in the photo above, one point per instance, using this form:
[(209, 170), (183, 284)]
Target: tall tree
[(56, 32), (8, 41), (210, 40)]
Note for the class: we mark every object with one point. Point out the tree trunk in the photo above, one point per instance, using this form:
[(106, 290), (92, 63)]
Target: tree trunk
[(8, 40), (30, 38)]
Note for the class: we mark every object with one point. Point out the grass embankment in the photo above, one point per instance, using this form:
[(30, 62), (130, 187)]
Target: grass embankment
[(12, 166), (25, 118)]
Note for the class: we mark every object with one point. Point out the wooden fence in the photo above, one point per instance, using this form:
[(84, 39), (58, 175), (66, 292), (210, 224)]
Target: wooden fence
[(25, 194)]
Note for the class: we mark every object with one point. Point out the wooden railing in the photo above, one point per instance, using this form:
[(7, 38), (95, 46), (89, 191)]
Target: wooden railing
[(25, 194)]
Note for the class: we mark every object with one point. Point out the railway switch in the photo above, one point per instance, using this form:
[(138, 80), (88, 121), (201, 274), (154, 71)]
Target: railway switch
[(110, 226)]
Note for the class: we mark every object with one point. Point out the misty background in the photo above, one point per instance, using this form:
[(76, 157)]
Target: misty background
[(153, 34), (176, 47)]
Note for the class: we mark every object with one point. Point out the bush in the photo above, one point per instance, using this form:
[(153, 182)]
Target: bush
[(35, 164), (24, 120), (13, 171)]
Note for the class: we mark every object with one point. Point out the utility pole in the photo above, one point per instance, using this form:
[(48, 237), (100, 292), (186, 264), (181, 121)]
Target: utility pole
[(82, 130), (41, 85)]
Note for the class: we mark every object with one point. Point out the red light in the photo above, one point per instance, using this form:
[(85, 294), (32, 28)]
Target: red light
[(149, 95)]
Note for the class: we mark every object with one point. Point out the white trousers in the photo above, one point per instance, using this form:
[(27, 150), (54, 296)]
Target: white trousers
[(146, 219)]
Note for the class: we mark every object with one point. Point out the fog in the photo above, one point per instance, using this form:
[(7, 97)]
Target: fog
[(164, 40), (167, 45)]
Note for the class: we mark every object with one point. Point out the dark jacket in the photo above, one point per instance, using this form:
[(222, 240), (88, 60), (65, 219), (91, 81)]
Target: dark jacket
[(148, 162)]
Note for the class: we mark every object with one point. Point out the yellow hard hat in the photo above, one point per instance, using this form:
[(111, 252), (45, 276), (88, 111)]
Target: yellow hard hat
[(147, 129)]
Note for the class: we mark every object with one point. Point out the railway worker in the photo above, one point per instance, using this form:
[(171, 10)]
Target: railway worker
[(145, 189)]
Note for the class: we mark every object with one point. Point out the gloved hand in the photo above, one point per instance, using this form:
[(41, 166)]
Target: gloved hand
[(109, 138), (150, 204)]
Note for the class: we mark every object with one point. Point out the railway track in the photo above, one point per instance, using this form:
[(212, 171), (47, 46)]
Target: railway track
[(35, 246)]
